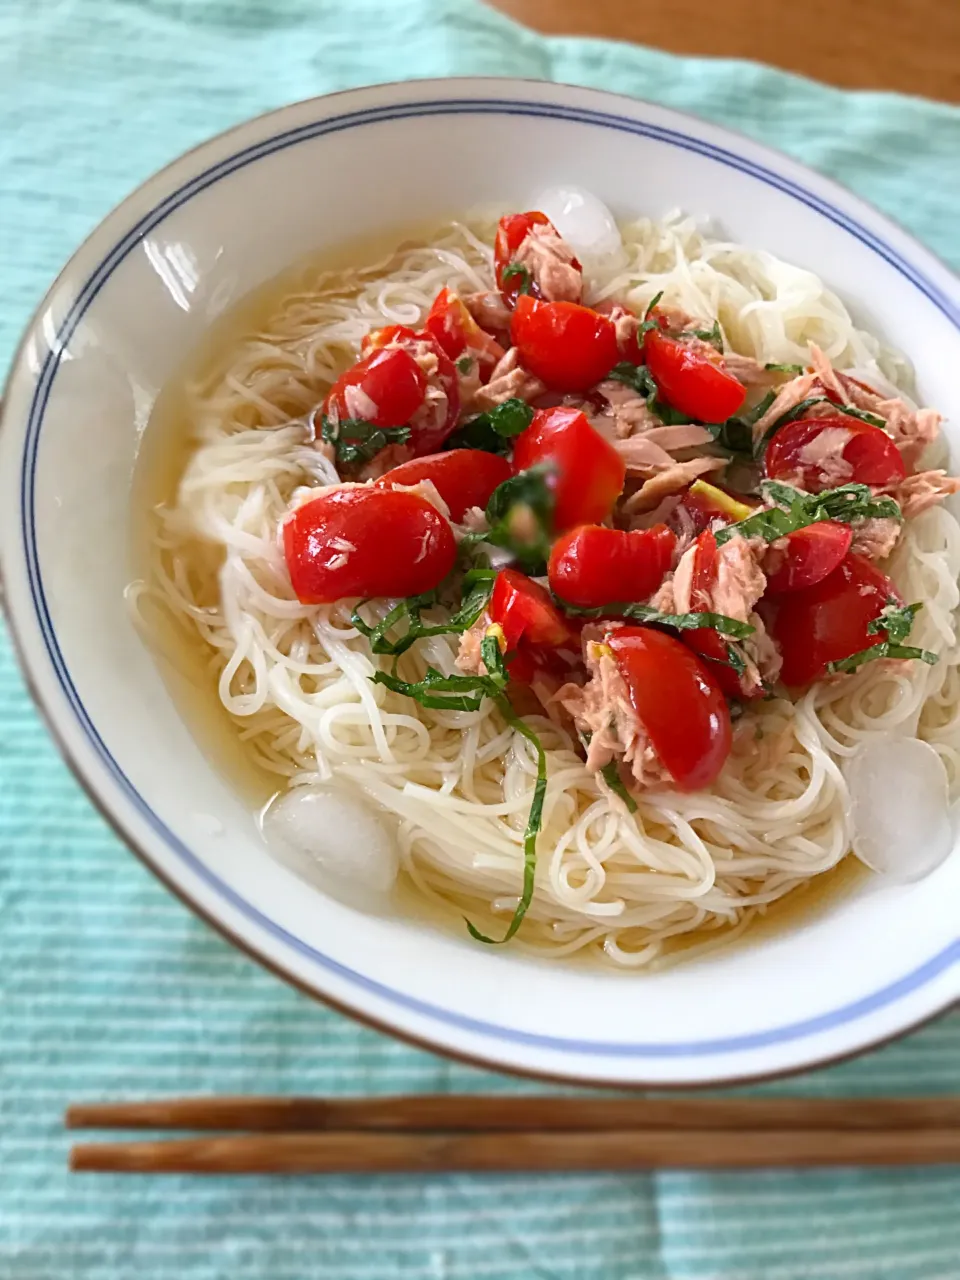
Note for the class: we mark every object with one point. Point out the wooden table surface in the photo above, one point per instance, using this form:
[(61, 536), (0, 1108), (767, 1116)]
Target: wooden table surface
[(911, 46)]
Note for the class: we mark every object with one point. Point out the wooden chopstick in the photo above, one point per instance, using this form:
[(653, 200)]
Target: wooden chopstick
[(450, 1112), (516, 1152)]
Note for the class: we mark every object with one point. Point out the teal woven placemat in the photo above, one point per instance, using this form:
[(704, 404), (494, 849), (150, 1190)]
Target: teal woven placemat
[(110, 988)]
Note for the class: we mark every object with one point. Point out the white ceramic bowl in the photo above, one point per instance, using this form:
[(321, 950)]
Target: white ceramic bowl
[(118, 322)]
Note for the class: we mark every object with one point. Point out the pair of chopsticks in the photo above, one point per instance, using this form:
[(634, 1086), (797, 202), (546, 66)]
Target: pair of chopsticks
[(447, 1133)]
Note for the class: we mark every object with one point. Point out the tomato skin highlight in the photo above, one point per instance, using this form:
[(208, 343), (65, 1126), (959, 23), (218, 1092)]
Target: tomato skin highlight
[(809, 556), (564, 344), (828, 621), (871, 454), (391, 380), (588, 473), (454, 329), (464, 478), (690, 381), (366, 542), (678, 702), (592, 566), (524, 611)]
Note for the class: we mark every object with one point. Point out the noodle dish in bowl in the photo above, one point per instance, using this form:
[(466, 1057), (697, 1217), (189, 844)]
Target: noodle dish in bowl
[(556, 588)]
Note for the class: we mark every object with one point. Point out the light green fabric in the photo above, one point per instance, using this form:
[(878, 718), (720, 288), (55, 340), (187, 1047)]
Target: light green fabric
[(110, 988)]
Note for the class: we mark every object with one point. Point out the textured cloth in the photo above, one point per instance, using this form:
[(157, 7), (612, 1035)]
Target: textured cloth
[(108, 987)]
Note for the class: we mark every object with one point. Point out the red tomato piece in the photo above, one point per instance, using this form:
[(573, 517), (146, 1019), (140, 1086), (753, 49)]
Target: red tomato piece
[(565, 345), (712, 646), (366, 542), (386, 387), (828, 621), (456, 331), (592, 566), (511, 233), (869, 452), (810, 554), (588, 473), (524, 611), (704, 503), (690, 381), (706, 559), (383, 337), (464, 478), (437, 417), (678, 702)]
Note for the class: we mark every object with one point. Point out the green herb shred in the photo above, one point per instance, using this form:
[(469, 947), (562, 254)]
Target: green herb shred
[(895, 622), (646, 613), (796, 510), (874, 419), (611, 776), (476, 587), (736, 434), (466, 693), (885, 649), (493, 431), (514, 270), (520, 516), (356, 441), (895, 619), (774, 367), (712, 335), (639, 379)]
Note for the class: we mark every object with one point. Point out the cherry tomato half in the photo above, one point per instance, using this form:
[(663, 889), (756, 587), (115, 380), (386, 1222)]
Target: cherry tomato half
[(870, 453), (464, 478), (588, 473), (436, 418), (809, 555), (386, 387), (565, 345), (524, 611), (678, 702), (456, 331), (592, 566), (690, 381), (366, 542), (511, 233), (828, 621)]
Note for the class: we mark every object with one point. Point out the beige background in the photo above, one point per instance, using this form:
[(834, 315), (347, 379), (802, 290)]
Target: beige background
[(912, 46)]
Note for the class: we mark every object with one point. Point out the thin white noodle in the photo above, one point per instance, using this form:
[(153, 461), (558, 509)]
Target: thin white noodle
[(686, 872)]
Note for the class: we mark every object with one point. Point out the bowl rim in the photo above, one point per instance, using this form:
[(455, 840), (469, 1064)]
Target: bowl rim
[(101, 791)]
